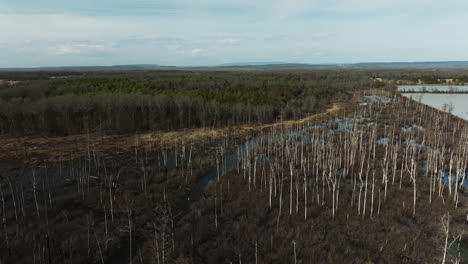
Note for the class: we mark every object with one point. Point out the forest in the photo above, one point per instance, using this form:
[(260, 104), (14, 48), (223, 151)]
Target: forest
[(284, 166), (67, 103), (132, 102)]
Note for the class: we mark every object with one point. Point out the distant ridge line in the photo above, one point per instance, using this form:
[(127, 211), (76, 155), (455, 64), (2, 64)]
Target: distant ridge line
[(254, 65)]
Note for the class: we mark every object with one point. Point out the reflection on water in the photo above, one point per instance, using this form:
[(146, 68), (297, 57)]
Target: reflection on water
[(458, 101)]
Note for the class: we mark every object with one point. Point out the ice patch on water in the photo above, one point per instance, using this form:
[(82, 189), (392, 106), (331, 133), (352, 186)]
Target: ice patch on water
[(414, 143), (411, 128), (378, 99), (382, 141)]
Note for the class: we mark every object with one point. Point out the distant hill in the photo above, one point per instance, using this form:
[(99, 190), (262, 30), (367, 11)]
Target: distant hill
[(408, 65), (96, 68), (427, 64), (233, 64), (254, 66)]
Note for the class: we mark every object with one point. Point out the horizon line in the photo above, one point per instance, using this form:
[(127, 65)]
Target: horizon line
[(234, 64)]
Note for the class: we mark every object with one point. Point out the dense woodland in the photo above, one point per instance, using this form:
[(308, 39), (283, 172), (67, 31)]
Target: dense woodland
[(131, 102), (67, 102)]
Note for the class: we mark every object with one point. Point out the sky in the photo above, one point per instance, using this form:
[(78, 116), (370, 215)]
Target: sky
[(38, 33)]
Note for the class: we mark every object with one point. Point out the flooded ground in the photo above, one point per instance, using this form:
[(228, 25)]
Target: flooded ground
[(458, 101), (255, 198)]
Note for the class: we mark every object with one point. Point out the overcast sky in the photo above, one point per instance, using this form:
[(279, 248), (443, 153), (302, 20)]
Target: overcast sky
[(209, 32)]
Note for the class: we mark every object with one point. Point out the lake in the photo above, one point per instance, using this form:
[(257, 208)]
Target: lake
[(433, 88), (458, 101)]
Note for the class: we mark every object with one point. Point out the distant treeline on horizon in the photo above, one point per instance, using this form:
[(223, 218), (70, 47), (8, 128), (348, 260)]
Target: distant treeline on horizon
[(124, 102), (70, 102)]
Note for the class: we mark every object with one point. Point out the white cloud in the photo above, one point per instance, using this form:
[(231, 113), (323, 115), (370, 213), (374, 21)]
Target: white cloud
[(203, 32), (70, 48), (230, 41), (196, 52)]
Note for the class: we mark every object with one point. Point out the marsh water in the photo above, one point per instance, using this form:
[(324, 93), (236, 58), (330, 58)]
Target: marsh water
[(459, 102)]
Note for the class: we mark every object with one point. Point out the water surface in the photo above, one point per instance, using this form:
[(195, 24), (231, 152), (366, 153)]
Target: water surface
[(433, 88), (458, 101)]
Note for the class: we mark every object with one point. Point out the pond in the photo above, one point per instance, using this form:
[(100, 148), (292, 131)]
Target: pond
[(433, 88), (459, 102)]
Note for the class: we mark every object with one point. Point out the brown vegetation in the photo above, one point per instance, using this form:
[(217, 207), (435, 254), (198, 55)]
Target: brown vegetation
[(366, 184), (55, 148)]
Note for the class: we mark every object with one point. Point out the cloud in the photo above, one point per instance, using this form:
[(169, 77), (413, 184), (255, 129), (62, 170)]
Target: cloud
[(66, 49), (195, 52), (230, 41), (206, 32)]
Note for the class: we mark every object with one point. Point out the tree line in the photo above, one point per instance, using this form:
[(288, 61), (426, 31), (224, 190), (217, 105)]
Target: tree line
[(129, 102)]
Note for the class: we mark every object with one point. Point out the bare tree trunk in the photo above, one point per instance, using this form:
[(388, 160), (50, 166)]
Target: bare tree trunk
[(446, 229)]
